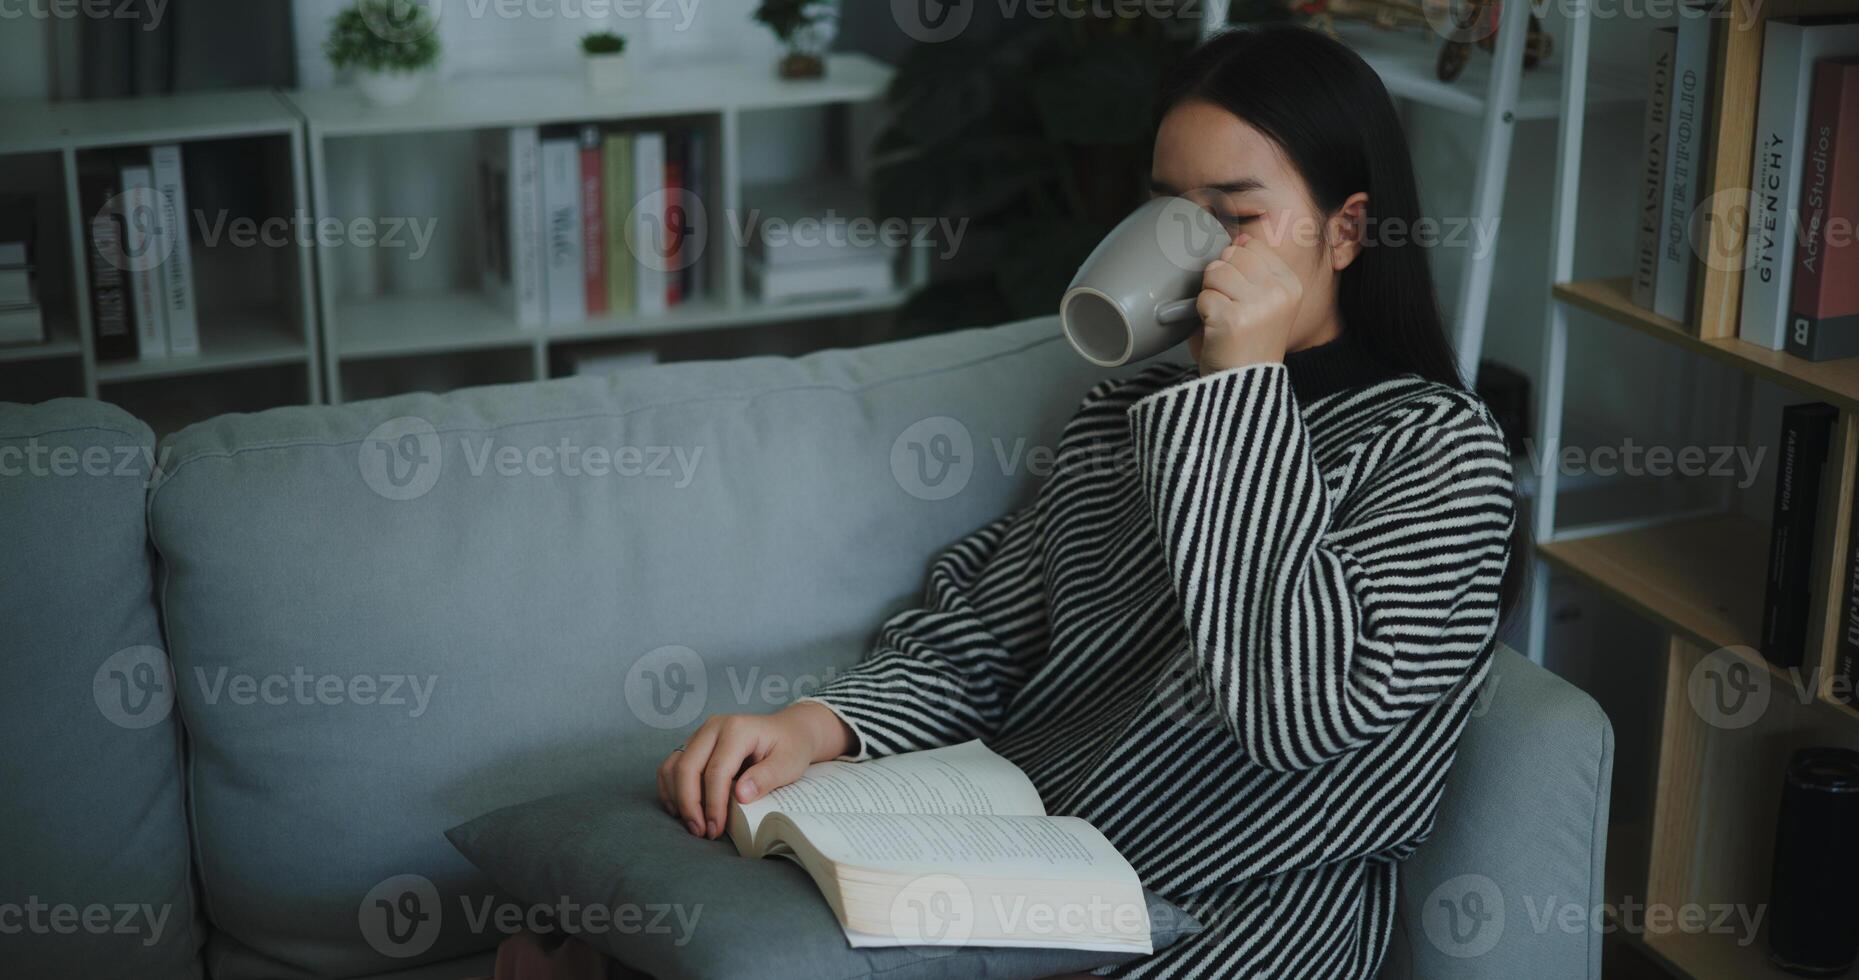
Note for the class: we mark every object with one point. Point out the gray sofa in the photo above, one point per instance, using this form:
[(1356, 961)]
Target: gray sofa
[(388, 617)]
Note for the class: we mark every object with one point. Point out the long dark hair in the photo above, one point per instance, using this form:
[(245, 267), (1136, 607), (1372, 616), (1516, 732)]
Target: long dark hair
[(1328, 111)]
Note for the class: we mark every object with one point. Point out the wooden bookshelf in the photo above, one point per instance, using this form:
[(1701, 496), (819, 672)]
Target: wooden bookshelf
[(1701, 578), (1836, 382)]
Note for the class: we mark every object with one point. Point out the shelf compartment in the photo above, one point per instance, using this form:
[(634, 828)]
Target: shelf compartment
[(1719, 793), (1702, 578), (1830, 381), (228, 341), (1405, 60)]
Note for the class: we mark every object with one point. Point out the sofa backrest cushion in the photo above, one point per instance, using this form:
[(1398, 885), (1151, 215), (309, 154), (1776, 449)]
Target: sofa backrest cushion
[(95, 878), (390, 617)]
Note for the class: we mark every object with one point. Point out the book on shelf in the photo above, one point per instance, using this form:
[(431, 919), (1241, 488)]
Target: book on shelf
[(676, 219), (617, 184), (1806, 431), (1685, 147), (21, 321), (1824, 305), (959, 831), (99, 182), (647, 238), (593, 224), (867, 276), (1846, 644), (1664, 44), (140, 220), (563, 270), (176, 270), (1790, 48), (697, 173), (510, 213)]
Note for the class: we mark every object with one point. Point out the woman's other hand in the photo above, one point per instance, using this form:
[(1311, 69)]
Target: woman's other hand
[(696, 781), (1248, 304)]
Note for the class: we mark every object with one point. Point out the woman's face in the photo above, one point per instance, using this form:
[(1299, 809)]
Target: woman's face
[(1213, 158)]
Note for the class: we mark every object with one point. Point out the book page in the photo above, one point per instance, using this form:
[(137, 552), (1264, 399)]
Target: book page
[(968, 778), (959, 844)]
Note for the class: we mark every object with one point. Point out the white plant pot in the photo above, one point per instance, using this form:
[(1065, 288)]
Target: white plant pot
[(606, 73), (389, 88)]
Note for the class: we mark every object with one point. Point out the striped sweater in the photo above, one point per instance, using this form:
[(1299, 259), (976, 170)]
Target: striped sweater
[(1237, 631)]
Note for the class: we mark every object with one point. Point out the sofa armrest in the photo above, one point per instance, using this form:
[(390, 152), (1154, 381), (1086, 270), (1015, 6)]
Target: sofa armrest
[(1510, 883)]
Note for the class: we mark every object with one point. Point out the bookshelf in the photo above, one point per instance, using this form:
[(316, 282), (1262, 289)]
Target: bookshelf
[(293, 323), (397, 313), (257, 320), (1701, 577)]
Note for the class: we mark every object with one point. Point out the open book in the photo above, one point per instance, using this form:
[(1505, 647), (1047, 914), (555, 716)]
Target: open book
[(949, 847)]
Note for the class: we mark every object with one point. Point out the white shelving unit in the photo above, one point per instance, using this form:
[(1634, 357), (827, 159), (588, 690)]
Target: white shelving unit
[(370, 323), (40, 146), (318, 323)]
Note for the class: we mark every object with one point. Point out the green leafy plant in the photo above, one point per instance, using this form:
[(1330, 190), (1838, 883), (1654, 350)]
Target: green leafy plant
[(605, 42), (382, 35), (1038, 135), (789, 18)]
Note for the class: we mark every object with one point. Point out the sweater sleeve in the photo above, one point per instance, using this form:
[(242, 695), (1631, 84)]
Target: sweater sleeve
[(944, 673), (1318, 625)]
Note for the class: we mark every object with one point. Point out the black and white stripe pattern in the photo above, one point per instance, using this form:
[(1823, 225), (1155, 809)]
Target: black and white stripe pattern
[(1238, 632)]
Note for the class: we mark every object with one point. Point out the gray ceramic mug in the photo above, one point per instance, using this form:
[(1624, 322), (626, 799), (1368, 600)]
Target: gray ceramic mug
[(1134, 296)]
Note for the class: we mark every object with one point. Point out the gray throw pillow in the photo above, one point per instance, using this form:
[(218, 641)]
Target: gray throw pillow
[(682, 908)]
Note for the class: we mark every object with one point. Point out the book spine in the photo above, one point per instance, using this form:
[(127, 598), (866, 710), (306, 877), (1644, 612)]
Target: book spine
[(177, 269), (561, 198), (1806, 430), (697, 170), (593, 224), (526, 259), (618, 207), (139, 223), (1763, 318), (648, 235), (677, 224), (104, 248), (1652, 173), (1684, 166), (1824, 307), (1846, 650)]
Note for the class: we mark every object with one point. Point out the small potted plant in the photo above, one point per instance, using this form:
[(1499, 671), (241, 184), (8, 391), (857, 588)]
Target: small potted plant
[(387, 44), (806, 28), (604, 54)]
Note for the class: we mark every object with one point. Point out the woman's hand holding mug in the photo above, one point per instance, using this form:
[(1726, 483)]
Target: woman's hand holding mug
[(1248, 303)]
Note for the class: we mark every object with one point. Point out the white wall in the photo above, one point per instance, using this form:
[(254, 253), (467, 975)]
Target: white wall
[(25, 58)]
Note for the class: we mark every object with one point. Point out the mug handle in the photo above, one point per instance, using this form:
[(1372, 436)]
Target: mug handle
[(1176, 312)]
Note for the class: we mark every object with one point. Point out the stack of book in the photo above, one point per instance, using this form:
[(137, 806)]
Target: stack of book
[(142, 297), (582, 223), (20, 319), (1804, 182), (813, 242)]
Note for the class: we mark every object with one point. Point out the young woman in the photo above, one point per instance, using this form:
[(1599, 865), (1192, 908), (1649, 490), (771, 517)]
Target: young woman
[(1247, 658)]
